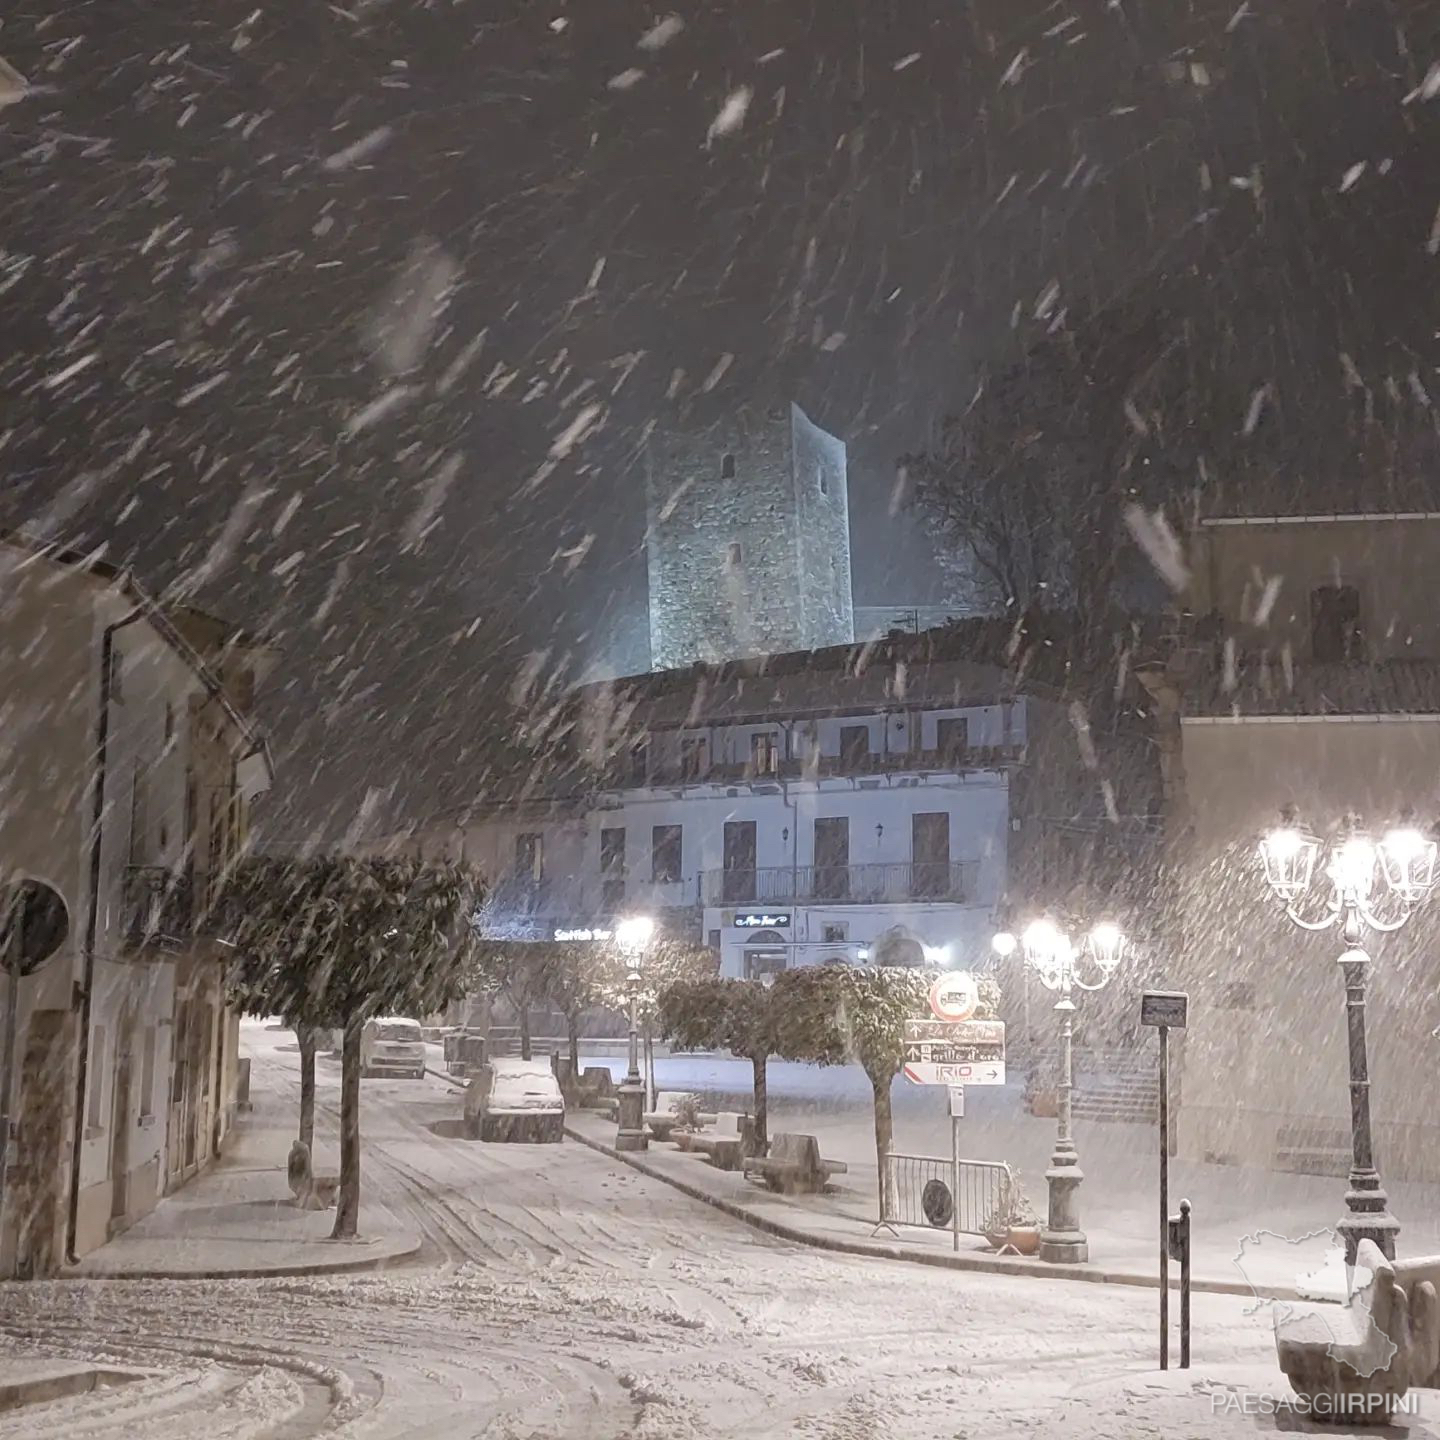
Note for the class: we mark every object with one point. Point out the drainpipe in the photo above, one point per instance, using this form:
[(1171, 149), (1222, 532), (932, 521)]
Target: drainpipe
[(92, 923)]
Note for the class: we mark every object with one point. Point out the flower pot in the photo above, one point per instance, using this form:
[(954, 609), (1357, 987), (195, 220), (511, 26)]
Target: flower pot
[(997, 1239), (1025, 1238)]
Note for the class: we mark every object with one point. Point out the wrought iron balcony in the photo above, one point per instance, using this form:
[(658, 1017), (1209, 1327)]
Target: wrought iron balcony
[(164, 908), (876, 884)]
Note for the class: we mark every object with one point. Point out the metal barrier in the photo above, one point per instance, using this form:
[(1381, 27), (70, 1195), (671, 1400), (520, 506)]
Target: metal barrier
[(923, 1191)]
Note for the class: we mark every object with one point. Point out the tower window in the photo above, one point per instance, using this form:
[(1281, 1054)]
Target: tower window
[(727, 468), (734, 555), (821, 483)]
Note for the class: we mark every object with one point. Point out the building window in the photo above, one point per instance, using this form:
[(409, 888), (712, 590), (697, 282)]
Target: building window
[(169, 722), (832, 857), (834, 932), (694, 761), (739, 861), (612, 866), (714, 937), (822, 484), (734, 556), (727, 467), (530, 857), (952, 738), (764, 754), (765, 954), (665, 854), (854, 745), (96, 1117), (640, 762), (930, 855), (1335, 623)]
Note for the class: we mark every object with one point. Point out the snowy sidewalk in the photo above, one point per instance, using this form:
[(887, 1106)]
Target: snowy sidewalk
[(1119, 1205), (237, 1219)]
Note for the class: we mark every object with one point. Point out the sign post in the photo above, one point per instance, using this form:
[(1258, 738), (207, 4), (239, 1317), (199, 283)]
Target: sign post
[(1164, 1009), (957, 1114)]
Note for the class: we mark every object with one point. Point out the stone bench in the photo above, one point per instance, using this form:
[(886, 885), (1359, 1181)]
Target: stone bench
[(725, 1146), (1360, 1358), (794, 1166)]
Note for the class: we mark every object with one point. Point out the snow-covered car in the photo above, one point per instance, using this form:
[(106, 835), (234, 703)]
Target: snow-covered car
[(515, 1100), (392, 1045)]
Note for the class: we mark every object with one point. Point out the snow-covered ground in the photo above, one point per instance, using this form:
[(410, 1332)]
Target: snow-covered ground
[(562, 1294)]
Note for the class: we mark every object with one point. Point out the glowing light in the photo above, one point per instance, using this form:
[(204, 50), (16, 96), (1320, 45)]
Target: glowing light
[(1003, 944), (635, 933), (937, 954)]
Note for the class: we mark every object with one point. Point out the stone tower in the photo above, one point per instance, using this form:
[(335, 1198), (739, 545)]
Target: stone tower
[(748, 539)]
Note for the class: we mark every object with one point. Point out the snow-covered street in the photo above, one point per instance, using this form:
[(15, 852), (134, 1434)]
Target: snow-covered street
[(561, 1294)]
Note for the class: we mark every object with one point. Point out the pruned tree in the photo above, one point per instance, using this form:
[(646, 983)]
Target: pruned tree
[(734, 1015), (524, 972), (837, 1014), (330, 941), (574, 989), (666, 962)]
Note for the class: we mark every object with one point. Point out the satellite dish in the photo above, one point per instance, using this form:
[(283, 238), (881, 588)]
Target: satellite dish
[(44, 924)]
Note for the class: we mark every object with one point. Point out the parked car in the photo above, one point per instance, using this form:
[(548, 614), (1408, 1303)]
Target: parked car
[(515, 1100), (392, 1045)]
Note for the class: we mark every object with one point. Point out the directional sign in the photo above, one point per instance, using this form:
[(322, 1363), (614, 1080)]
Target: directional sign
[(964, 1042), (923, 1073)]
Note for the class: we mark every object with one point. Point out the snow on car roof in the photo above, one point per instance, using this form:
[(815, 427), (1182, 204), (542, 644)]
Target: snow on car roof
[(395, 1020)]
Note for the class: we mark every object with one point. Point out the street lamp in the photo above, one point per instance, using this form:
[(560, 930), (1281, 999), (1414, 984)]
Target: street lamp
[(1360, 875), (632, 936), (1063, 965)]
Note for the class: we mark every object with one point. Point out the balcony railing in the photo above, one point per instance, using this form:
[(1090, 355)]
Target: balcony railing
[(976, 757), (879, 884), (164, 908)]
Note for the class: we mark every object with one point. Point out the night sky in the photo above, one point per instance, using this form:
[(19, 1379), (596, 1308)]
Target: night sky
[(349, 320)]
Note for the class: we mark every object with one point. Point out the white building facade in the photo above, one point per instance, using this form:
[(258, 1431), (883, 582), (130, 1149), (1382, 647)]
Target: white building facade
[(825, 819), (124, 788)]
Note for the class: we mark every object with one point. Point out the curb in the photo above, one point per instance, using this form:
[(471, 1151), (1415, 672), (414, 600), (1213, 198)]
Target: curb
[(350, 1265), (985, 1264), (62, 1383)]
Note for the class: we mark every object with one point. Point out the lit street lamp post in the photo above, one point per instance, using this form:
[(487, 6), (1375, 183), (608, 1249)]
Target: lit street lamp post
[(1405, 859), (1057, 961), (633, 936)]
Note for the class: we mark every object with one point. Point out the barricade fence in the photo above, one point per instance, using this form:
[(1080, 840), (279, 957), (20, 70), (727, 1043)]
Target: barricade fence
[(926, 1191)]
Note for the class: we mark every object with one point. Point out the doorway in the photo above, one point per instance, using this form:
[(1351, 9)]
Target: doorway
[(120, 1127)]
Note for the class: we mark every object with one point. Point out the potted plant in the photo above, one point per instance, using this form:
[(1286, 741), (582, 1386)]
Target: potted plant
[(1012, 1223)]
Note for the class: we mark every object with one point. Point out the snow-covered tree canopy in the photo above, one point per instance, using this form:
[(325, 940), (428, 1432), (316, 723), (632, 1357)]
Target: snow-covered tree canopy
[(328, 939)]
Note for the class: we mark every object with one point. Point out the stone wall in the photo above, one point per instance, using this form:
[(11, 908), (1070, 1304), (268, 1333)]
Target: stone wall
[(739, 563)]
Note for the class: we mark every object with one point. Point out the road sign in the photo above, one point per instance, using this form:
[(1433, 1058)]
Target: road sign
[(957, 1102), (954, 996), (1164, 1007), (962, 1042), (921, 1072)]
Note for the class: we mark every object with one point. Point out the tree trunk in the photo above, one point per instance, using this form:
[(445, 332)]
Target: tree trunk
[(305, 1034), (760, 1133), (884, 1137), (523, 1011), (572, 1025), (347, 1211)]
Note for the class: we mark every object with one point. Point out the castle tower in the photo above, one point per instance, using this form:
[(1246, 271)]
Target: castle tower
[(748, 539)]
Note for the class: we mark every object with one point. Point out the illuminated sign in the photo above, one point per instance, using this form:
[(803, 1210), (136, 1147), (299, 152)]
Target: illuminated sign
[(584, 934), (760, 920)]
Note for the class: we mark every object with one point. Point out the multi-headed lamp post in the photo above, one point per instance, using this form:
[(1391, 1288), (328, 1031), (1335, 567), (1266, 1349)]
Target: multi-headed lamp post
[(633, 936), (1363, 880), (1065, 965)]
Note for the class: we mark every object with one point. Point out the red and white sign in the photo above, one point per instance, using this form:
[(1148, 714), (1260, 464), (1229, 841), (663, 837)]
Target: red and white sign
[(954, 996), (985, 1072)]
